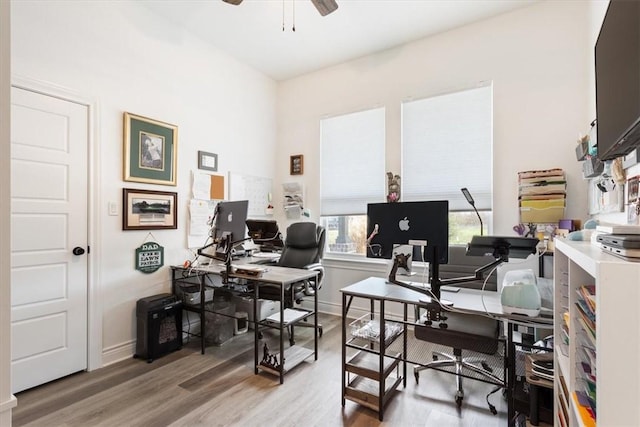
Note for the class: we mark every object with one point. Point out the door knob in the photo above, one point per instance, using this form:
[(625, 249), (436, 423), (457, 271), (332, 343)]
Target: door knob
[(78, 250)]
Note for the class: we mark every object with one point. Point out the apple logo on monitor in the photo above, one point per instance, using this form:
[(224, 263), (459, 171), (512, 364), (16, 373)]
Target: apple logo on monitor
[(230, 217), (403, 224)]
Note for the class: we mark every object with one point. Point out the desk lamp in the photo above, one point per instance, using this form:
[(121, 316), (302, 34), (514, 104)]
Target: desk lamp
[(472, 202)]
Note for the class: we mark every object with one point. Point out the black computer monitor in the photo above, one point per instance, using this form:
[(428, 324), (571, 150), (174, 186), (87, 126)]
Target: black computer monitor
[(230, 219), (265, 233), (398, 223)]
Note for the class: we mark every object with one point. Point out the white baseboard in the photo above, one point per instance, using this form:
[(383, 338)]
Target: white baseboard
[(117, 353)]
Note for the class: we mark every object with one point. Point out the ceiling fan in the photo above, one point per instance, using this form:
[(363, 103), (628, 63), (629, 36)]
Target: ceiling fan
[(325, 7)]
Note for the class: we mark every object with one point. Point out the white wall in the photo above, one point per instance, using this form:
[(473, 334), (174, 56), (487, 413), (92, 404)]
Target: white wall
[(127, 59), (539, 61)]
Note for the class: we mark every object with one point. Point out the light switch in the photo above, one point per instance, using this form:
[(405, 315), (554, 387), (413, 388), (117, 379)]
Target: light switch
[(113, 208)]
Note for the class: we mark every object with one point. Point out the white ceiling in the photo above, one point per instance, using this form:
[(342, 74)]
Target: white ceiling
[(253, 32)]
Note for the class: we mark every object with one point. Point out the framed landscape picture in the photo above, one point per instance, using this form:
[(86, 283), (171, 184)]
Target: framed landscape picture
[(149, 210), (150, 150)]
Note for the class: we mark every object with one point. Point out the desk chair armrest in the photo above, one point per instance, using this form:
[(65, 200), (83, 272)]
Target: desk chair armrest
[(311, 289)]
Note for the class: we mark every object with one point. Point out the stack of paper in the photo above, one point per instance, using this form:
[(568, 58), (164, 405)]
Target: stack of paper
[(542, 196)]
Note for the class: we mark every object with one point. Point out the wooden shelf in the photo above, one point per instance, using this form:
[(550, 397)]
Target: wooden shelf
[(365, 391), (367, 364), (293, 356)]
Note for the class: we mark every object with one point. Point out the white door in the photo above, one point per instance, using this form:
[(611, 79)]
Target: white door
[(49, 146)]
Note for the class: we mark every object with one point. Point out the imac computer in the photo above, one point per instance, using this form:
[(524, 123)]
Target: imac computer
[(228, 230), (230, 224), (266, 234), (424, 224)]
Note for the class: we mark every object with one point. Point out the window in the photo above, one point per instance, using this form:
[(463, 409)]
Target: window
[(352, 175), (447, 145)]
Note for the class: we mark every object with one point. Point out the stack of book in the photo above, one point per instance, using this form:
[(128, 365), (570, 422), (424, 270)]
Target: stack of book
[(585, 393), (542, 196)]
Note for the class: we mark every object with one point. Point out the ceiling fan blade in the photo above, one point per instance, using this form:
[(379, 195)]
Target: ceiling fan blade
[(235, 2), (325, 7)]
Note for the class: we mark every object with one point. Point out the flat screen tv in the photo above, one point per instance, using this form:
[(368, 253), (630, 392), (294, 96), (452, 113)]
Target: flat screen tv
[(389, 224), (617, 71)]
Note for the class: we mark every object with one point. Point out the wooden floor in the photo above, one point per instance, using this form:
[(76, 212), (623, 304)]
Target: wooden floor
[(186, 388)]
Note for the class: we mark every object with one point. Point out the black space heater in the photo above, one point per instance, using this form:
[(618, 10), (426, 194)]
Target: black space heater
[(159, 326)]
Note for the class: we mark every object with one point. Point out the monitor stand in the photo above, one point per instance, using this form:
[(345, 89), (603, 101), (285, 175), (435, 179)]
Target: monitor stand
[(432, 292)]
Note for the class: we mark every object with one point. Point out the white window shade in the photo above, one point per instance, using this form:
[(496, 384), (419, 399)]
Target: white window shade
[(446, 145), (352, 162)]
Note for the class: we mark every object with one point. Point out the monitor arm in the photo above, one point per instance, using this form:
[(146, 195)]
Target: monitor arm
[(435, 303), (228, 243)]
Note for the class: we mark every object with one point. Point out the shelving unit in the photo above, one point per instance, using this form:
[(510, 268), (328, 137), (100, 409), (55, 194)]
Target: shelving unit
[(370, 373), (293, 355), (613, 353)]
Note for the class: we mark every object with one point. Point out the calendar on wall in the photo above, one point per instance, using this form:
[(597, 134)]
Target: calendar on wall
[(255, 189)]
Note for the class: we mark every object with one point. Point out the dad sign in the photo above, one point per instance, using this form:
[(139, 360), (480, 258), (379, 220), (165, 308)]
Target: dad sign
[(149, 257)]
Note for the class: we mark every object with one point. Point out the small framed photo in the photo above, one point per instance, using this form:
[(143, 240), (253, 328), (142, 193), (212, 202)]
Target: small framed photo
[(149, 210), (207, 161), (296, 165), (150, 150), (632, 189)]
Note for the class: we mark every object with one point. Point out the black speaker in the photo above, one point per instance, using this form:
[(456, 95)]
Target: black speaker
[(159, 326)]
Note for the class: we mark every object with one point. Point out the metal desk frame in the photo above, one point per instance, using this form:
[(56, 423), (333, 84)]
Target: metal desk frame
[(273, 275), (472, 300)]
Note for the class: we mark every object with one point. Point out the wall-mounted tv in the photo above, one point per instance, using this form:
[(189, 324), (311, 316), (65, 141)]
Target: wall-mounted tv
[(617, 66)]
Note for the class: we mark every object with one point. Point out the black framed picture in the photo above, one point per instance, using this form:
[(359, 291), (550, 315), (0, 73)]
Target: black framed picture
[(149, 210)]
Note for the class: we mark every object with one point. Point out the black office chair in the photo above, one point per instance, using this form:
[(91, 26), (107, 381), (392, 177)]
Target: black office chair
[(303, 248), (466, 332)]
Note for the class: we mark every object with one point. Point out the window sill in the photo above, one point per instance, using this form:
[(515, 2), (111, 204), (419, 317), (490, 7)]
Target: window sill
[(360, 262)]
